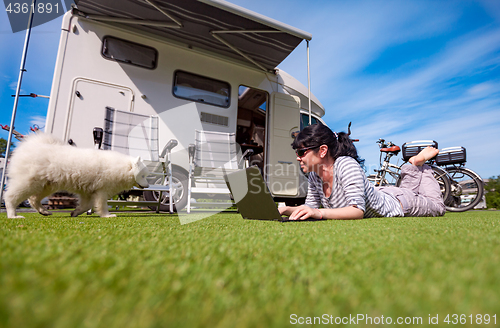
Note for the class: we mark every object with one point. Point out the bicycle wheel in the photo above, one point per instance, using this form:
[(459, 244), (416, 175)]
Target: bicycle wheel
[(442, 178), (466, 189)]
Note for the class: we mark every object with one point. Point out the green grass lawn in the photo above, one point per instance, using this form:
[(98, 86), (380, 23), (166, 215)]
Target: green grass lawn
[(147, 270)]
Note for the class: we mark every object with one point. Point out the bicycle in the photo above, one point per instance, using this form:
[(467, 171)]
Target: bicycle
[(390, 150), (462, 188), (467, 187)]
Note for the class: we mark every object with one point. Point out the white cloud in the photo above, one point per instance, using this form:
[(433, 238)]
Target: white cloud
[(13, 86), (13, 89), (348, 36), (412, 90), (481, 89)]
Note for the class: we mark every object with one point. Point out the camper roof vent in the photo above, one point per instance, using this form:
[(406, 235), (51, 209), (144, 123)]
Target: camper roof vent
[(214, 119)]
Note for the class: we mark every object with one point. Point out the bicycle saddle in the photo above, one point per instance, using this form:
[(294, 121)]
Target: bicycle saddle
[(393, 149)]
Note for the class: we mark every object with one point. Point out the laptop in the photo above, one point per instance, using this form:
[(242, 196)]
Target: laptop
[(252, 197)]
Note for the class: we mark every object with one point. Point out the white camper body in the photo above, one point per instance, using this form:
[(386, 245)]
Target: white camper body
[(186, 87)]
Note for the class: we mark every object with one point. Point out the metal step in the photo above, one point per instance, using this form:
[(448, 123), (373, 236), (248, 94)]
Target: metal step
[(154, 188)]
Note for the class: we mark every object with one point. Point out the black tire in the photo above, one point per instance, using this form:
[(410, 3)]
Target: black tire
[(180, 192), (25, 203), (464, 182), (443, 180), (441, 176)]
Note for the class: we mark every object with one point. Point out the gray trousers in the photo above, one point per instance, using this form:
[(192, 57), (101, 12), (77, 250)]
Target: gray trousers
[(419, 192)]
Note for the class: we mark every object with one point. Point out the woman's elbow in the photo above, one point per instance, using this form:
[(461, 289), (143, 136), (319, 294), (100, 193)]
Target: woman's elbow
[(358, 213)]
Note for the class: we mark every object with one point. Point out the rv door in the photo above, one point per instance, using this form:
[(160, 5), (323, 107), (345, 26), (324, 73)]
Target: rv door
[(283, 171), (88, 108)]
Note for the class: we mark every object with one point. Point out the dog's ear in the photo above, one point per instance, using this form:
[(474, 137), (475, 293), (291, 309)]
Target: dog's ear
[(134, 163)]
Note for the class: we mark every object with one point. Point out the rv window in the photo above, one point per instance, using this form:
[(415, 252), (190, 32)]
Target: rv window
[(129, 52), (305, 120), (201, 89)]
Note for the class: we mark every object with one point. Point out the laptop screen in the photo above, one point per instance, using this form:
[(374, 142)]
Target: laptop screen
[(251, 195)]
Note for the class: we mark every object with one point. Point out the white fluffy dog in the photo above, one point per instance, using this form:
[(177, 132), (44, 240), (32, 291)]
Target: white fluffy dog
[(42, 165)]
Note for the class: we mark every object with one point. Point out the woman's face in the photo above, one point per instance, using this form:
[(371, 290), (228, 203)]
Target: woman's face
[(311, 159)]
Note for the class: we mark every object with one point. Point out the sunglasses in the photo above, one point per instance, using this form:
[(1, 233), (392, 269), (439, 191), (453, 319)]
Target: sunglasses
[(302, 151)]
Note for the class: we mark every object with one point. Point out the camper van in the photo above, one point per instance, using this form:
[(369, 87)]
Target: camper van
[(195, 65)]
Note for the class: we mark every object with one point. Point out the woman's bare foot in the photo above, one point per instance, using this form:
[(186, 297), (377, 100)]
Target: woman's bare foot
[(425, 155)]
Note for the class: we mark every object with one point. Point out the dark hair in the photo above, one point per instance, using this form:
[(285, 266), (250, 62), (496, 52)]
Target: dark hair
[(319, 134)]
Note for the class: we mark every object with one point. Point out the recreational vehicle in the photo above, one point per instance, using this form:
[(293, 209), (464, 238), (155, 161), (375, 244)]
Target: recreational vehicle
[(194, 65)]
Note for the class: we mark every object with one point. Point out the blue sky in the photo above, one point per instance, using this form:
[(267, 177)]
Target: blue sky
[(400, 70)]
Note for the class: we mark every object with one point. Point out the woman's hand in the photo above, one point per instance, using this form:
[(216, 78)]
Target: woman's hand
[(304, 212), (286, 210)]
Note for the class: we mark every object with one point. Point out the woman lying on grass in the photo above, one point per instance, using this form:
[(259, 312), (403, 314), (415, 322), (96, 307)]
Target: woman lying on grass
[(338, 184)]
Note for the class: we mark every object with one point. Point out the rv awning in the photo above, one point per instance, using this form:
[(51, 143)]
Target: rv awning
[(214, 25)]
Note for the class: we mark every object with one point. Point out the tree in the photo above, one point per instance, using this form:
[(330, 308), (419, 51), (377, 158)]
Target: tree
[(492, 188), (3, 147)]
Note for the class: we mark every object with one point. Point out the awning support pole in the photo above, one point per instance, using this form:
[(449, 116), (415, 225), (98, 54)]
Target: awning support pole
[(16, 99), (309, 83), (227, 44), (164, 13)]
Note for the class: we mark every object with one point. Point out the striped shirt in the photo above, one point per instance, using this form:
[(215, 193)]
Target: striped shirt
[(351, 187)]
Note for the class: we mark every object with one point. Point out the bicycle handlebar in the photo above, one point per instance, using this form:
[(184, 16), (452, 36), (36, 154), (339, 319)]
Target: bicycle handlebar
[(382, 143)]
